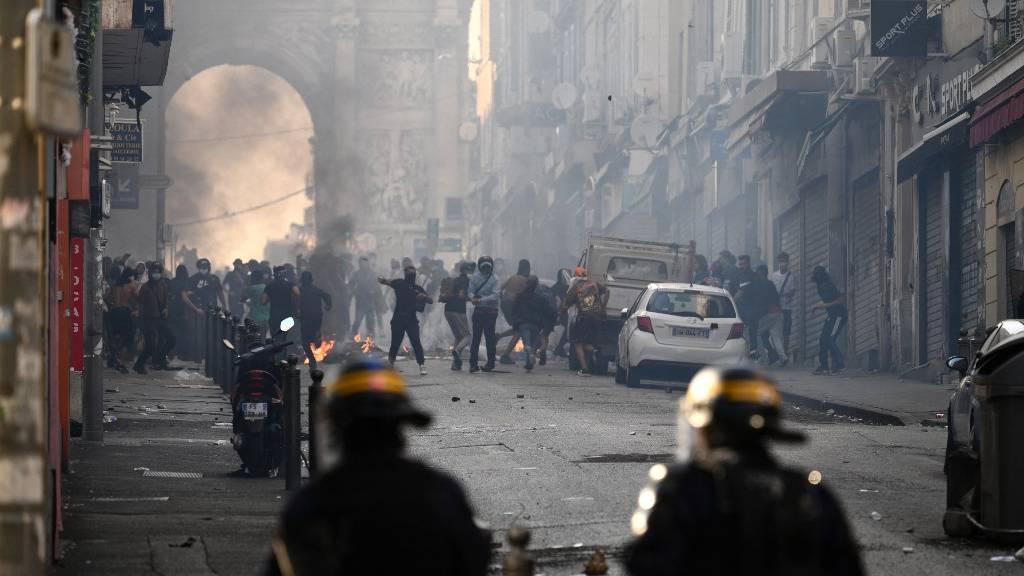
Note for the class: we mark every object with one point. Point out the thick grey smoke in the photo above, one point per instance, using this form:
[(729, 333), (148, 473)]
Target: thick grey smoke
[(217, 167)]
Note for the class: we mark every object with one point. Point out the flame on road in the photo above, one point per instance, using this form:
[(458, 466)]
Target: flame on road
[(320, 352), (367, 343)]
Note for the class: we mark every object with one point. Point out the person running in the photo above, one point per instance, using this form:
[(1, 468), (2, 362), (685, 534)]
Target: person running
[(313, 302), (589, 298), (410, 298), (454, 299), (786, 286), (533, 313), (236, 282), (833, 303), (179, 313), (510, 291)]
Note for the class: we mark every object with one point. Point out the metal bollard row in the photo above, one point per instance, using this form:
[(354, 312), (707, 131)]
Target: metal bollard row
[(292, 425), (315, 392)]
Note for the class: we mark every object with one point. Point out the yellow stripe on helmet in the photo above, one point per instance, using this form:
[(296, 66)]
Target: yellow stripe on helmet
[(387, 381), (751, 391)]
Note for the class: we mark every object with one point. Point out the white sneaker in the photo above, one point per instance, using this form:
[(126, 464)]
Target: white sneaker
[(583, 374), (423, 370)]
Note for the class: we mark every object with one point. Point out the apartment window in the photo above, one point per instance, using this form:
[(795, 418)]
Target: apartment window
[(1014, 29)]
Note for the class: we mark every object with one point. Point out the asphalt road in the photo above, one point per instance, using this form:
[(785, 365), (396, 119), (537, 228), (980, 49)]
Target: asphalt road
[(561, 455)]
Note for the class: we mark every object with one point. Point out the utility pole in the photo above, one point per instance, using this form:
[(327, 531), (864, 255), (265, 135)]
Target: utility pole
[(92, 387)]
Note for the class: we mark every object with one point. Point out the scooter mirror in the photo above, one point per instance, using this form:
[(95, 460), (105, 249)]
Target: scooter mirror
[(287, 324), (228, 344)]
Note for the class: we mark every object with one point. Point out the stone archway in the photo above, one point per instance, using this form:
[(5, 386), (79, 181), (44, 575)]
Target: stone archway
[(384, 81)]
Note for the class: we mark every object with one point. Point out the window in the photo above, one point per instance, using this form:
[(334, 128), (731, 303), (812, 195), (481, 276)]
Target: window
[(691, 303), (637, 269)]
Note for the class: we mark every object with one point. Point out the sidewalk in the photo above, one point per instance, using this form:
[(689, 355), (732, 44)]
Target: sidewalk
[(122, 516), (881, 396)]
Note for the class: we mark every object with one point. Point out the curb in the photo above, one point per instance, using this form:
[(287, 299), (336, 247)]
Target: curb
[(876, 415)]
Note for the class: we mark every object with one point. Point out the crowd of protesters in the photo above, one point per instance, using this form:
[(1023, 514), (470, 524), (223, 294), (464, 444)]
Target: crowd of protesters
[(150, 317)]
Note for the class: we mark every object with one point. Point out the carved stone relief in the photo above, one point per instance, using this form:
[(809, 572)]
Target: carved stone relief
[(397, 78)]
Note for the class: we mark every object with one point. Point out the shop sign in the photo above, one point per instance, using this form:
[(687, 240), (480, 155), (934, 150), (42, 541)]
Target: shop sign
[(76, 310), (126, 139), (899, 28)]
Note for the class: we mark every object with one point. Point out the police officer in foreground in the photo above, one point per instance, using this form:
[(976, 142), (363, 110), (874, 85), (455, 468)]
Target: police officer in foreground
[(377, 512), (728, 507)]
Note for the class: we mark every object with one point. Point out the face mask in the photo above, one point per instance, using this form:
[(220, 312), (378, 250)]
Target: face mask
[(204, 270), (155, 276)]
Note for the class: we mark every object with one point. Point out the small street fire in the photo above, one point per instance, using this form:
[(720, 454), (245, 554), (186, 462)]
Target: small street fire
[(322, 351), (366, 344)]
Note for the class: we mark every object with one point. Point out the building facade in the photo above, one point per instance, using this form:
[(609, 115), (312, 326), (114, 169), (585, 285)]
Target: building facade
[(761, 127)]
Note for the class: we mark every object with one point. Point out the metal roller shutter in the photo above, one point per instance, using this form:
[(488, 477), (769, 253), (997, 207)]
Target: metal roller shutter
[(815, 253), (970, 265), (790, 232), (865, 277), (934, 272)]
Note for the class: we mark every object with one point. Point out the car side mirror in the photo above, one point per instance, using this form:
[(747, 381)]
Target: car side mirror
[(287, 324), (624, 313), (958, 364)]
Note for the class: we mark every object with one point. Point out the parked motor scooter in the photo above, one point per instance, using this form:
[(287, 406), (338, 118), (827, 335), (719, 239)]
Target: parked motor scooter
[(257, 405)]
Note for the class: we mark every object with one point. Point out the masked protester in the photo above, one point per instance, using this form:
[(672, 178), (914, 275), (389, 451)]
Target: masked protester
[(205, 290), (483, 293), (410, 298), (312, 303), (282, 295), (377, 512), (728, 507), (154, 312)]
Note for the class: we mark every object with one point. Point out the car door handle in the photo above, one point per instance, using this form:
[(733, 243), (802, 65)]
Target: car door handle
[(714, 326)]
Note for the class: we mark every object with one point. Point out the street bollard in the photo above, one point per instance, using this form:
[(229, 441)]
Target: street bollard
[(208, 320), (517, 561), (315, 390), (292, 465), (238, 340), (213, 359), (225, 354)]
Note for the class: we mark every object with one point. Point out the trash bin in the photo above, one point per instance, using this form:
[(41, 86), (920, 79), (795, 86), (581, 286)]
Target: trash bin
[(999, 388)]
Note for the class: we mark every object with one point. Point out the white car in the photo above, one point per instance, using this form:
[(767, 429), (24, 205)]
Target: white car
[(674, 330)]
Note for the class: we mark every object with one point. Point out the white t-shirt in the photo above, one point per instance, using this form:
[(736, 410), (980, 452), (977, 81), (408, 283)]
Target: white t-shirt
[(786, 285)]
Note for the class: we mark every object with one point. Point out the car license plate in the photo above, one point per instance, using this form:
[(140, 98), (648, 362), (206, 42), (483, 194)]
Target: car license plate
[(254, 410), (691, 332)]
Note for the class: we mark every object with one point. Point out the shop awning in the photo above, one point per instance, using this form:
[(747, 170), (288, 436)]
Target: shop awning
[(946, 136), (998, 114)]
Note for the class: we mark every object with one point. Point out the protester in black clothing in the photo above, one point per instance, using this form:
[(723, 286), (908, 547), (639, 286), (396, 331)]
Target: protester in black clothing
[(753, 300), (312, 303), (454, 295), (378, 512), (410, 298), (559, 291), (153, 310), (282, 295), (727, 271), (532, 313), (729, 507), (204, 289), (833, 303), (179, 314)]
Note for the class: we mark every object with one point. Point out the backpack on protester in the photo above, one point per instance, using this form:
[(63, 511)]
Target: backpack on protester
[(447, 292)]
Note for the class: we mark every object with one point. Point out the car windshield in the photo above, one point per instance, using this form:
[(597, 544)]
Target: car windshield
[(637, 269), (692, 304)]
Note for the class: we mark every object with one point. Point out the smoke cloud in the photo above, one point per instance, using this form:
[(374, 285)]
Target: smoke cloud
[(238, 136)]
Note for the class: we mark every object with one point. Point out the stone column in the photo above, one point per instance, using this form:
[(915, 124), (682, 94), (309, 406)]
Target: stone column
[(449, 63), (336, 162)]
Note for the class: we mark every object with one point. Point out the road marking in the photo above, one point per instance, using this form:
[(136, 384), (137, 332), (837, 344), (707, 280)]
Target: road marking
[(177, 475), (138, 499)]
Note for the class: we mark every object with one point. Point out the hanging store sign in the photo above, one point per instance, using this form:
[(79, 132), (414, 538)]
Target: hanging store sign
[(126, 139), (76, 310), (899, 28), (124, 188)]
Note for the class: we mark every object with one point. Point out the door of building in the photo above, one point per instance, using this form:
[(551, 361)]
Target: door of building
[(790, 234), (815, 253), (865, 276), (933, 268)]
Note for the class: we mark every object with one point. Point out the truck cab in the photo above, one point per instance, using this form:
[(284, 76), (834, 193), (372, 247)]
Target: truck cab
[(625, 267)]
